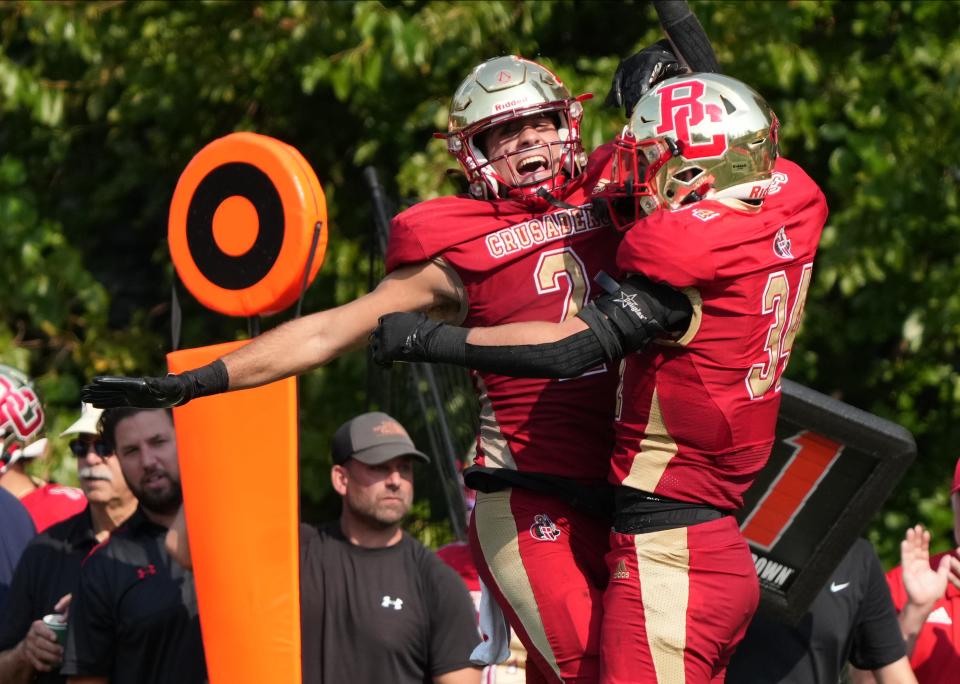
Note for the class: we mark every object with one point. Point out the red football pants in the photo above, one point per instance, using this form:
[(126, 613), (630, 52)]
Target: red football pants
[(678, 603), (544, 563)]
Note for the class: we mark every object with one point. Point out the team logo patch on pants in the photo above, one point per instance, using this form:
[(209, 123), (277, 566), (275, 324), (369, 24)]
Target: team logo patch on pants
[(543, 528)]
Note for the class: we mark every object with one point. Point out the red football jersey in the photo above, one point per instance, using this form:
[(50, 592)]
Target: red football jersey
[(696, 419), (526, 261)]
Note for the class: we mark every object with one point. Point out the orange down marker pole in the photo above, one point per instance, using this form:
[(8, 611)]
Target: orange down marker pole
[(241, 497), (247, 213)]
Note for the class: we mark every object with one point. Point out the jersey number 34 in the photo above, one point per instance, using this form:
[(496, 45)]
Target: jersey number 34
[(783, 330)]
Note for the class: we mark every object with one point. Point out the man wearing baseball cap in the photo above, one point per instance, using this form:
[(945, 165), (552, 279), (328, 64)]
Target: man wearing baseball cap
[(926, 592), (376, 605), (49, 570)]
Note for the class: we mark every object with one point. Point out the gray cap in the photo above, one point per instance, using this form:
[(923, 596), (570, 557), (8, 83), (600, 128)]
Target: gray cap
[(373, 438)]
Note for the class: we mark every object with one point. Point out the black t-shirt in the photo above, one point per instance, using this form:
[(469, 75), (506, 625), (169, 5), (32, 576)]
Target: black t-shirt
[(852, 618), (396, 614), (48, 570), (134, 617)]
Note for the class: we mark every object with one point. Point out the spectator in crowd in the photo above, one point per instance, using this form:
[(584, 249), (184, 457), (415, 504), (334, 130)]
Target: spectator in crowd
[(926, 592), (851, 619), (16, 531), (134, 616), (377, 606), (50, 568), (21, 424)]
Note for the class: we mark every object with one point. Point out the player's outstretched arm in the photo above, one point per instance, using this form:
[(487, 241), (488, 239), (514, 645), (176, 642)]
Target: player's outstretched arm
[(289, 349), (625, 319)]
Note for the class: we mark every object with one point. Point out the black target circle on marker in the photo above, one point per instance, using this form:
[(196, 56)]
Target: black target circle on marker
[(247, 225), (224, 270)]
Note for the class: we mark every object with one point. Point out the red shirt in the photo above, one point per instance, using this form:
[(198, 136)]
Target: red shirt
[(526, 261), (459, 557), (698, 421), (52, 503), (936, 655)]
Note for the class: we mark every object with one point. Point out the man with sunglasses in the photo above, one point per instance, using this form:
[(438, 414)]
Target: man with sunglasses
[(49, 569)]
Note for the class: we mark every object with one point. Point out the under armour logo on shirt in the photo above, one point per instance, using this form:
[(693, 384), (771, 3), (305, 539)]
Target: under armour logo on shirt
[(396, 604), (142, 573)]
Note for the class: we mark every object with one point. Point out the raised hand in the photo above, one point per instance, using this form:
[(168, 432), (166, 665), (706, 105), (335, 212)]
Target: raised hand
[(110, 391), (924, 585), (638, 73)]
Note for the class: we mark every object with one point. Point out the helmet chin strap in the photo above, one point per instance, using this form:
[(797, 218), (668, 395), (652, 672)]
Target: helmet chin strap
[(546, 195)]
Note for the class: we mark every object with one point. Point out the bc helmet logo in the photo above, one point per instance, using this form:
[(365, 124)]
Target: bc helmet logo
[(681, 108), (543, 528)]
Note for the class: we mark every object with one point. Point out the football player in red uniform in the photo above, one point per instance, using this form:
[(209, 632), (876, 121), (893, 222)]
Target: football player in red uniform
[(524, 245), (736, 228)]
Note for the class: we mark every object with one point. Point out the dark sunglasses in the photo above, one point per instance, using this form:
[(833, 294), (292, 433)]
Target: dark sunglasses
[(80, 447)]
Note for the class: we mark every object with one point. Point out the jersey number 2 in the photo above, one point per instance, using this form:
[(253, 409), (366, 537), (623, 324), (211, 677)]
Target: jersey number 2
[(557, 265), (762, 376)]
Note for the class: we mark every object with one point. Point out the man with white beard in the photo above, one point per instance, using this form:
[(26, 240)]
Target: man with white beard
[(49, 569)]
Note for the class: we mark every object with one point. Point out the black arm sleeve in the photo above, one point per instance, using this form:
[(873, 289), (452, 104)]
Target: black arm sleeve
[(564, 358), (413, 337), (625, 319)]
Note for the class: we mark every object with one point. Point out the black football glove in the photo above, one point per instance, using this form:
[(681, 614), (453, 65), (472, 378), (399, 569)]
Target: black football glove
[(110, 391), (413, 337), (638, 73), (640, 311)]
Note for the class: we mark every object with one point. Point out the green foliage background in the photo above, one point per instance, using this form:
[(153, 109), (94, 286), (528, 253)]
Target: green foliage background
[(103, 103)]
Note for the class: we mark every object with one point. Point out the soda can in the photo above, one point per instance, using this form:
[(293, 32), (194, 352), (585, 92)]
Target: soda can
[(57, 623)]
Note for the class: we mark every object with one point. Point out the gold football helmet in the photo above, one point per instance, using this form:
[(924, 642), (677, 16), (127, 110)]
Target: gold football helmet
[(698, 136), (501, 90)]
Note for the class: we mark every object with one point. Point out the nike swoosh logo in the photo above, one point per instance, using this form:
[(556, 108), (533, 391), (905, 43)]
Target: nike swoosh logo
[(834, 587)]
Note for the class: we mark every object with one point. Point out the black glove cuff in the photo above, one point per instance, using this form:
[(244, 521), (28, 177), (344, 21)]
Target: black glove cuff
[(204, 381)]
